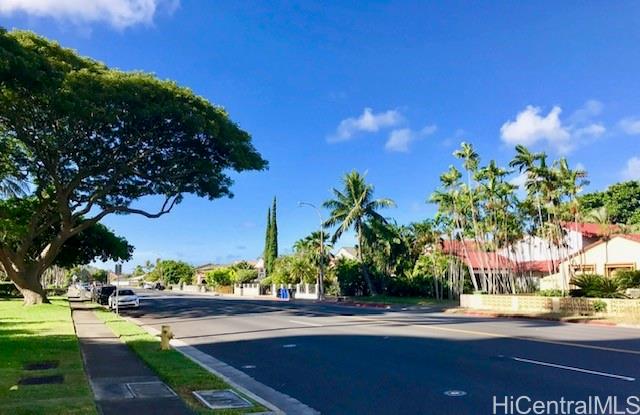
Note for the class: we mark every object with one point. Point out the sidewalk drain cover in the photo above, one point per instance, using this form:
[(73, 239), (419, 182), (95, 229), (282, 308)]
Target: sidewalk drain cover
[(150, 390), (41, 380), (46, 365), (222, 399)]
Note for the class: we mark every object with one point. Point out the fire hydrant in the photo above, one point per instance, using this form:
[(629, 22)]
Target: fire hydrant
[(165, 337)]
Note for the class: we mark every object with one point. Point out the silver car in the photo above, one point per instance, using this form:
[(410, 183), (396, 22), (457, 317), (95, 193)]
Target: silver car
[(125, 298)]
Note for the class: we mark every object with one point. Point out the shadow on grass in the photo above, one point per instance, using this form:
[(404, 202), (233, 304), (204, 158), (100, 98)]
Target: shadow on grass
[(36, 334)]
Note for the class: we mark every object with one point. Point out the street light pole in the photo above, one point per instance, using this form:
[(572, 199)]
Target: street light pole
[(321, 265)]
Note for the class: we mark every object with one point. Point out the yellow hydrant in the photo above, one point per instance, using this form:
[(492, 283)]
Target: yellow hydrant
[(165, 337)]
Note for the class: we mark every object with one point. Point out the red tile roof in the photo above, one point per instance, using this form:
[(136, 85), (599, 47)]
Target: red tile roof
[(590, 229), (631, 236), (475, 257), (537, 266), (490, 260)]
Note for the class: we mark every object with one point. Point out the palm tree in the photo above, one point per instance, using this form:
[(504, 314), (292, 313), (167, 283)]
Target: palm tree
[(311, 247), (351, 208), (449, 201), (601, 217)]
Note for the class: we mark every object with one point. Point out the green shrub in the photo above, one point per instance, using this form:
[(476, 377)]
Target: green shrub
[(628, 279), (220, 277), (599, 306), (8, 290), (350, 278), (56, 291), (242, 265), (243, 275), (551, 293), (594, 285)]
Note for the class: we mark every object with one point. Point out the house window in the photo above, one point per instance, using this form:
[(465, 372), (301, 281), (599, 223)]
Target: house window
[(610, 269), (584, 269)]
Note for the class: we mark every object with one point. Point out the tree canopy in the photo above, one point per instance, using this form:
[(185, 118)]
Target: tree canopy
[(621, 200), (172, 272), (88, 141)]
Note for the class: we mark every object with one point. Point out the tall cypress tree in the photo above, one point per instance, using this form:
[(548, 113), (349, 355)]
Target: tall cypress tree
[(267, 240), (273, 243)]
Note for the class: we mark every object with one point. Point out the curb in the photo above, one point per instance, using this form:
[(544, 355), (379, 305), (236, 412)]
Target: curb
[(277, 402), (491, 314)]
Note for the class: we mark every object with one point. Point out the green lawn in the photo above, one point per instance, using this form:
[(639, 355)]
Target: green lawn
[(35, 334), (385, 299), (183, 375)]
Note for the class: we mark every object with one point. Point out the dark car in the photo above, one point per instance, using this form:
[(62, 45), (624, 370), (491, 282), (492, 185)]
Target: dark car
[(103, 293)]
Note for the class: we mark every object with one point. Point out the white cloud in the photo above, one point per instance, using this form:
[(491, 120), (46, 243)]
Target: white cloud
[(429, 129), (520, 180), (367, 122), (118, 13), (400, 139), (591, 108), (531, 126), (630, 125), (592, 130), (632, 170)]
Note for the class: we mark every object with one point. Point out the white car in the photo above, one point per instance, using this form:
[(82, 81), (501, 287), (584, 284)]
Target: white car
[(125, 297)]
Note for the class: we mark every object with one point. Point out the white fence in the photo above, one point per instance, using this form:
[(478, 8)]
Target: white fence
[(301, 291), (250, 290)]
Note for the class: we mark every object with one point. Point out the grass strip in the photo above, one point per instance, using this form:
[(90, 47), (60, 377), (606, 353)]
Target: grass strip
[(36, 334), (175, 369), (386, 299)]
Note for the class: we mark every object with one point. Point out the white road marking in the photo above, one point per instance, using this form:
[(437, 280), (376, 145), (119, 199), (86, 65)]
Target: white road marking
[(455, 393), (575, 369), (305, 323)]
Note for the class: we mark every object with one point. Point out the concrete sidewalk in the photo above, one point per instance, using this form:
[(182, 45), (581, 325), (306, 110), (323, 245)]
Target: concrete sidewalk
[(121, 382)]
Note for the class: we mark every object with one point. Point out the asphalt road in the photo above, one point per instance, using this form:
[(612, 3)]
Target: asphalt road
[(347, 360)]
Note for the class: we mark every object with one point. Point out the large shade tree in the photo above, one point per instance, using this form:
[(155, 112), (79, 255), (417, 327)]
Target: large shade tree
[(88, 141)]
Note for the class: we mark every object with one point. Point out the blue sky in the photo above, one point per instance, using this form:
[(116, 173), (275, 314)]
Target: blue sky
[(390, 88)]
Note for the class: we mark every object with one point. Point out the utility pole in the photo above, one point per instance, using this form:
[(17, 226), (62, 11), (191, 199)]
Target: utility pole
[(321, 265)]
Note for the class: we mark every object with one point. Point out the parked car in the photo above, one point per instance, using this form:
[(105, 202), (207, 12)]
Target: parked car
[(153, 286), (101, 294), (125, 298)]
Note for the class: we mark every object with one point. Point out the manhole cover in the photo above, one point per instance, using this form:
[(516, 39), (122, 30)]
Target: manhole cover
[(41, 380), (150, 390), (222, 399), (41, 365), (455, 393)]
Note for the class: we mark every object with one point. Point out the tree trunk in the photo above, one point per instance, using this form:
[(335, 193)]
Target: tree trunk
[(31, 289), (363, 267)]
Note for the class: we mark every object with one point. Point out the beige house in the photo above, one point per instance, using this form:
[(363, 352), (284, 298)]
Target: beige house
[(202, 270), (347, 252), (604, 257)]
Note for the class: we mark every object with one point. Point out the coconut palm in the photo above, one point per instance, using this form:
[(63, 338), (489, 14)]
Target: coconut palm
[(351, 208), (601, 217)]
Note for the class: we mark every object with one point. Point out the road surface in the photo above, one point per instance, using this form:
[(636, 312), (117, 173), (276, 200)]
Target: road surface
[(347, 360)]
